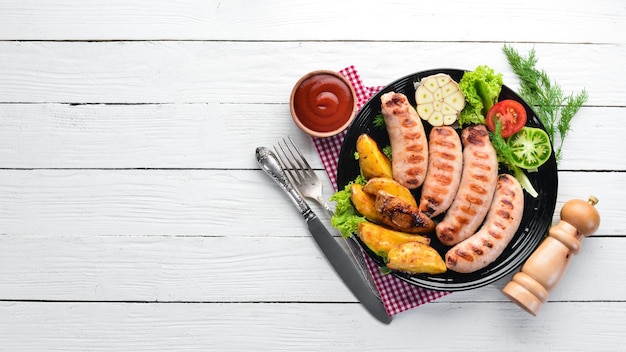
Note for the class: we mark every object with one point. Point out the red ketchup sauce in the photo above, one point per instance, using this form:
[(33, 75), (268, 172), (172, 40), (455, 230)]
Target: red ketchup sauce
[(323, 103)]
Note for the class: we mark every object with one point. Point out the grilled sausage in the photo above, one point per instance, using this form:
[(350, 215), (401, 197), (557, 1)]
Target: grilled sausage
[(409, 147), (478, 183), (400, 215), (445, 164), (502, 222)]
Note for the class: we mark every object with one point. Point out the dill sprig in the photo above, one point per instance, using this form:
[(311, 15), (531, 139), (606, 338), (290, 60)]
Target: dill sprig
[(554, 109), (503, 149), (379, 121), (572, 105), (505, 158)]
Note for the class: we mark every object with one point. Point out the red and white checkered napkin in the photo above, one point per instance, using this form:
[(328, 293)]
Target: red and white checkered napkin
[(397, 295)]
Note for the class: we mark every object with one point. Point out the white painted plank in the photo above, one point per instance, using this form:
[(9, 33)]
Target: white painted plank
[(246, 72), (595, 140), (166, 268), (520, 21), (142, 136), (201, 202), (215, 136), (143, 202), (234, 269), (307, 327)]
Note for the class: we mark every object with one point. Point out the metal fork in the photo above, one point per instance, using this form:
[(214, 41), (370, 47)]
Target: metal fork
[(309, 185)]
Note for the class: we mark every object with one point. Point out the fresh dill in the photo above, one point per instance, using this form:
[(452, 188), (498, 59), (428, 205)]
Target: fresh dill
[(379, 121), (503, 150), (554, 109), (387, 152), (506, 159)]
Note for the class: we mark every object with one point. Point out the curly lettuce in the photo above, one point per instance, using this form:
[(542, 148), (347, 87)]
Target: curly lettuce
[(346, 219), (481, 88)]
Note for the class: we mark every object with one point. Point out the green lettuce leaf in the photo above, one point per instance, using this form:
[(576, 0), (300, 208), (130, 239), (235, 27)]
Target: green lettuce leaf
[(346, 219), (481, 88)]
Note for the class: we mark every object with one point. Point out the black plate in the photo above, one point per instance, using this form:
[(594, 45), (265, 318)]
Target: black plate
[(538, 211)]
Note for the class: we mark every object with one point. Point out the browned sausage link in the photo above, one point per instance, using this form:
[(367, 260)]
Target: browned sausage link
[(445, 164), (477, 185), (501, 224), (409, 146), (400, 215)]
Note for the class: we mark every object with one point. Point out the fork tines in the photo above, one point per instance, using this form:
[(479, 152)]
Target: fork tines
[(296, 166)]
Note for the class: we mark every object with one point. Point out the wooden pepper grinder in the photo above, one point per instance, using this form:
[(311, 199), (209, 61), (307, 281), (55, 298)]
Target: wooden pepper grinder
[(543, 270)]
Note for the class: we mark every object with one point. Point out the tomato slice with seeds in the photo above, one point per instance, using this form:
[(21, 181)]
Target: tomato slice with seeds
[(531, 147), (511, 113)]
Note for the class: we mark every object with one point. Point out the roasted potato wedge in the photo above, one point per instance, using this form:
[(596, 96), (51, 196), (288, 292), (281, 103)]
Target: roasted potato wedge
[(390, 186), (363, 203), (399, 215), (372, 161), (415, 258), (381, 239)]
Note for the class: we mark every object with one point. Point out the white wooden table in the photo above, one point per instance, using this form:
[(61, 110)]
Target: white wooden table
[(133, 216)]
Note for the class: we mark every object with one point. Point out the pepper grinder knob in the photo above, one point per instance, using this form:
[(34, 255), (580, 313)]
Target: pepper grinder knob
[(544, 269)]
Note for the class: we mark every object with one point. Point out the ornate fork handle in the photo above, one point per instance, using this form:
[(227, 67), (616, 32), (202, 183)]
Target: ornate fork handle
[(271, 166)]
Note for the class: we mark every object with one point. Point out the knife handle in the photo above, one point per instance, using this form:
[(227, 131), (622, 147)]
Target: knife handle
[(347, 269)]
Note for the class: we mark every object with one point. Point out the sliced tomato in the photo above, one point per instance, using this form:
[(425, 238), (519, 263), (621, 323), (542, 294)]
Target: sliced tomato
[(531, 148), (512, 115)]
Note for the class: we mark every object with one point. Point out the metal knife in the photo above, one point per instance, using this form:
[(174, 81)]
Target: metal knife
[(337, 257)]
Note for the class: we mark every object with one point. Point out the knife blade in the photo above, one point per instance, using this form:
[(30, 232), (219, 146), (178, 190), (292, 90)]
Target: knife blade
[(345, 267)]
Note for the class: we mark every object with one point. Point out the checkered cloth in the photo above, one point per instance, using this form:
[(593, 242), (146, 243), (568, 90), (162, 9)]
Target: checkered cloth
[(397, 295)]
